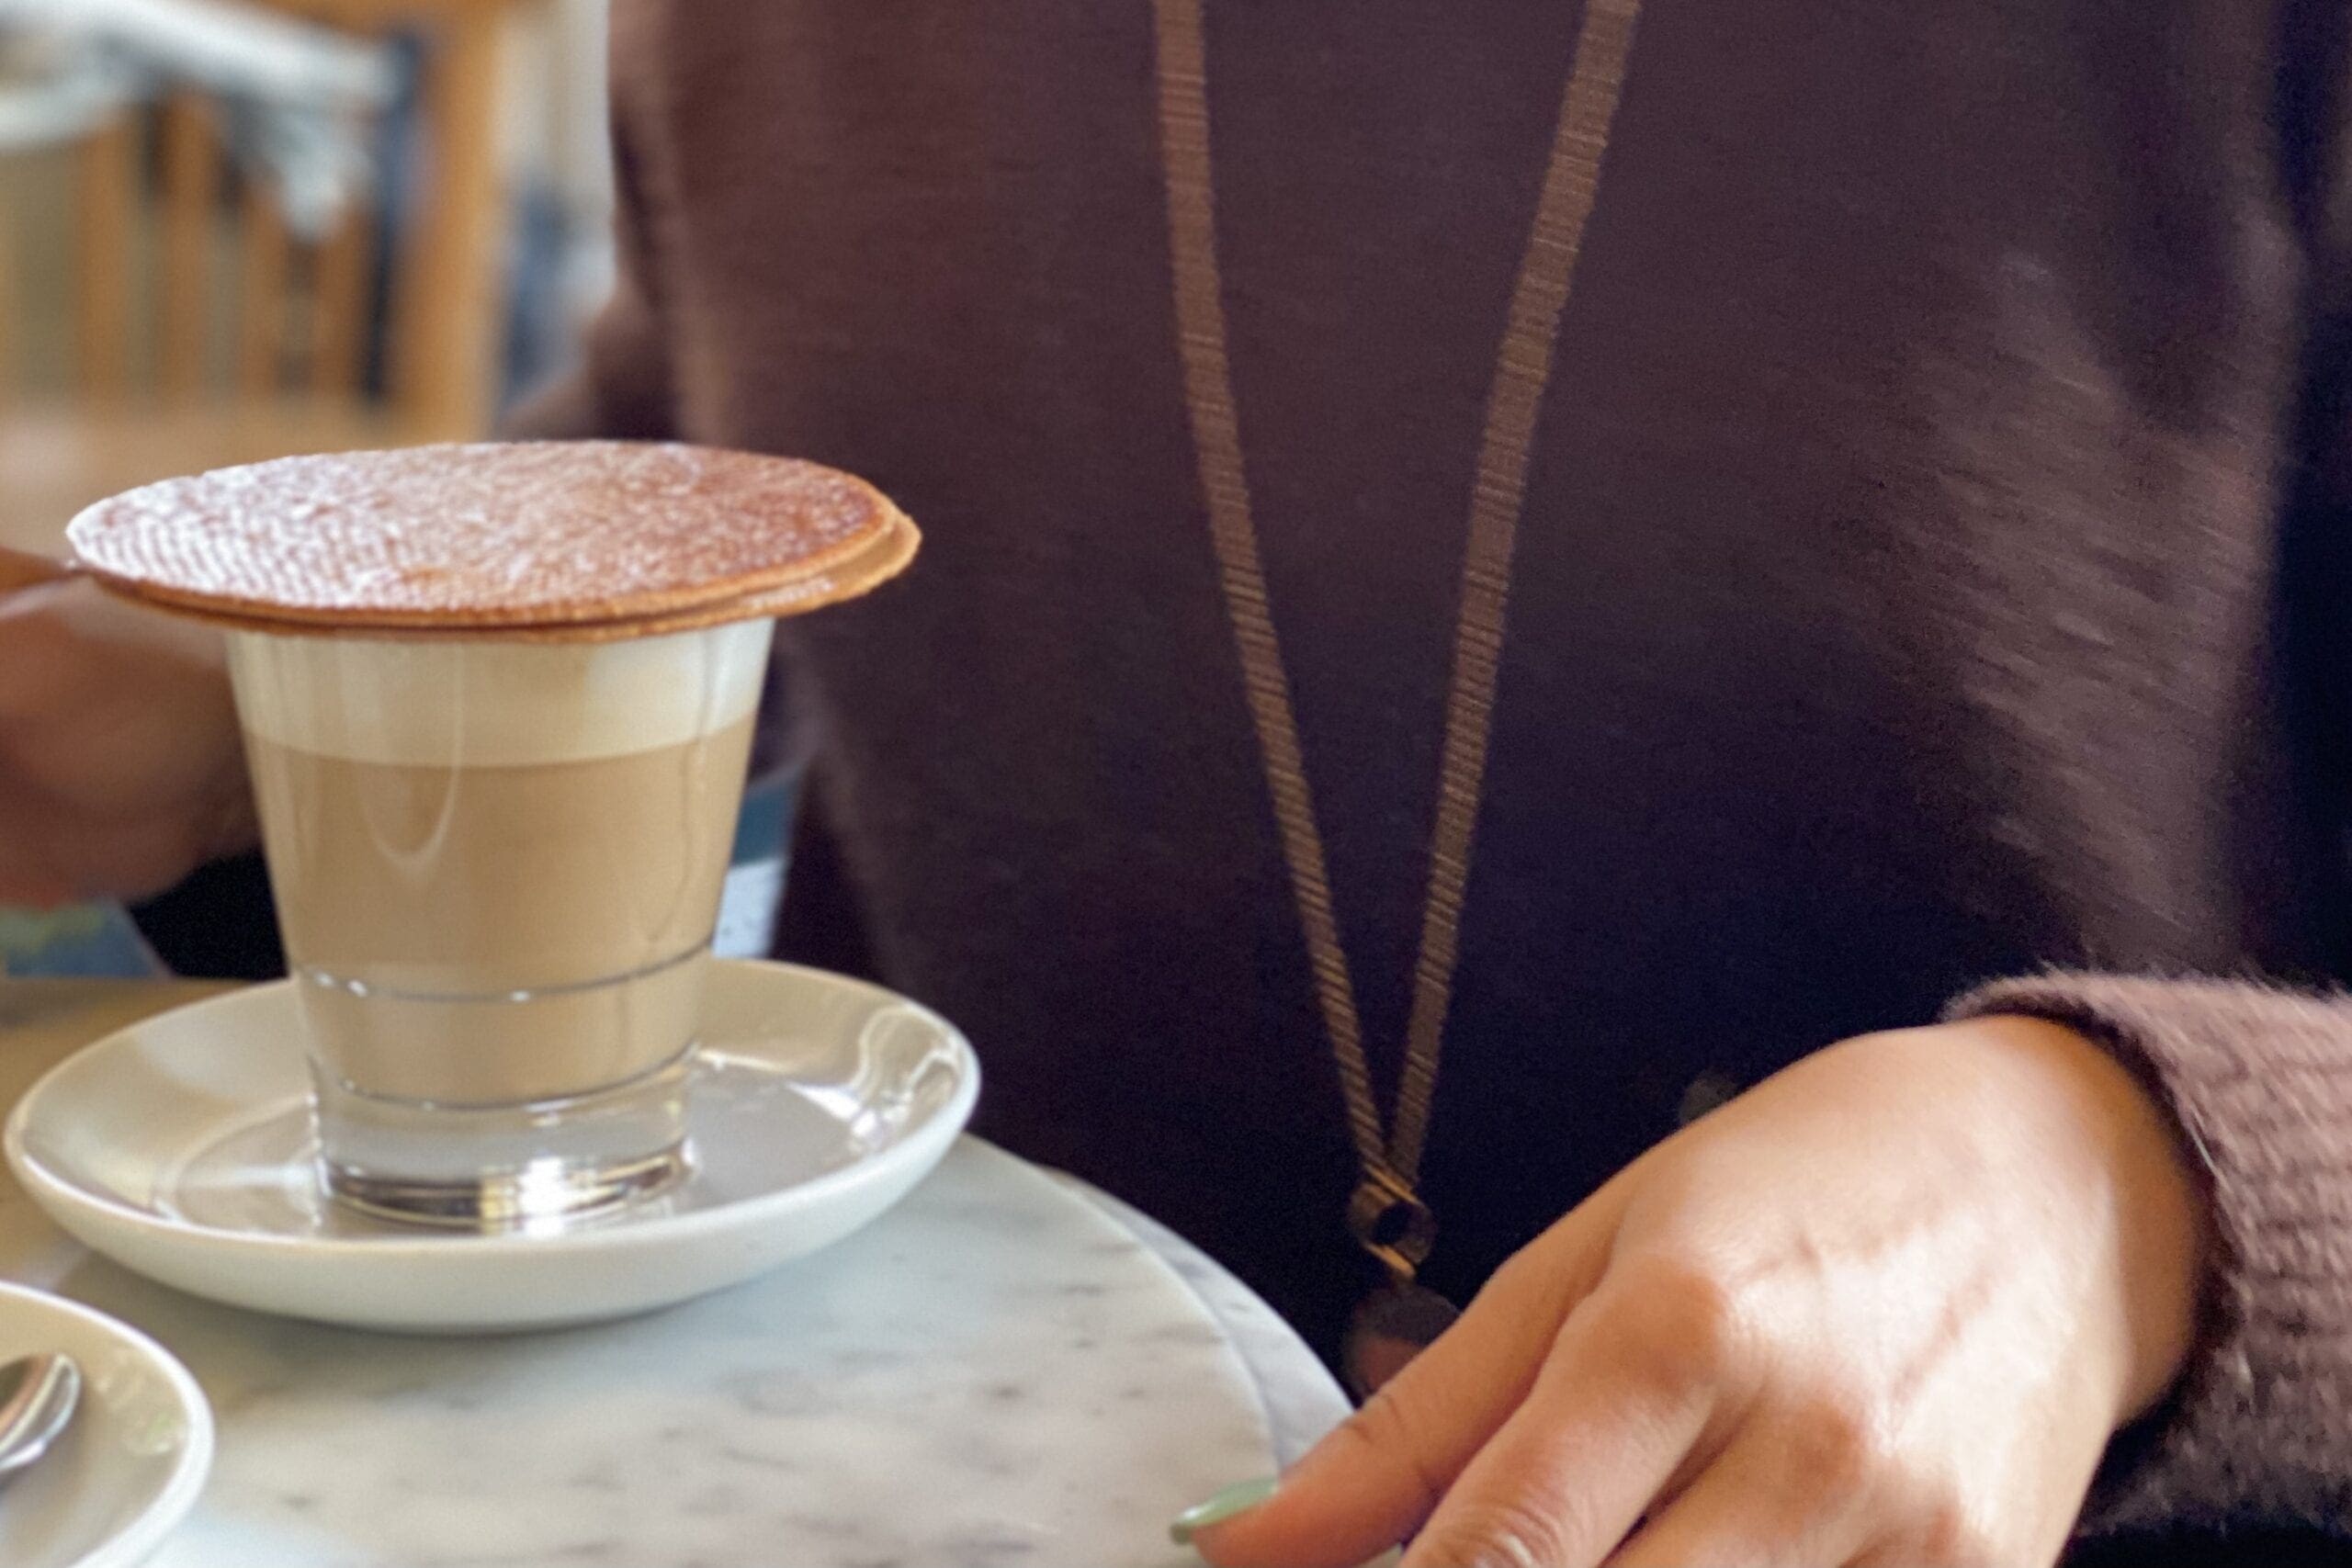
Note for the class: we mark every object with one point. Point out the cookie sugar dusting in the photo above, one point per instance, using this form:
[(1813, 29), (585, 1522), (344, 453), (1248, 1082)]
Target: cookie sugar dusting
[(488, 536)]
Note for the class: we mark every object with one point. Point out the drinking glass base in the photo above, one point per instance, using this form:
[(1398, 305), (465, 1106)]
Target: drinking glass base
[(543, 1192), (540, 1166)]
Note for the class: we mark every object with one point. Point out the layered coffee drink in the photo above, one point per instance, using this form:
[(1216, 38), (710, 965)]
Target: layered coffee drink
[(498, 704), (498, 865)]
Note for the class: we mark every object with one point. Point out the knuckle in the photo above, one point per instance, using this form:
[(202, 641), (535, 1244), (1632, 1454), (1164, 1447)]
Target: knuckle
[(1377, 1425), (1835, 1446), (1497, 1535), (1387, 1431), (1940, 1526), (1950, 1534), (1679, 1321)]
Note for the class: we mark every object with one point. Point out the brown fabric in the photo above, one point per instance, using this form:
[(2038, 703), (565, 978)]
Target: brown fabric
[(1932, 567), (2261, 1081)]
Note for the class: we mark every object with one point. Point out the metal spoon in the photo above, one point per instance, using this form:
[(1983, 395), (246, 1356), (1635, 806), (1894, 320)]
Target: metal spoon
[(38, 1395)]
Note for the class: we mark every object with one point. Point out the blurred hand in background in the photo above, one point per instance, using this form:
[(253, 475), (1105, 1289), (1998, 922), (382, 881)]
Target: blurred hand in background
[(122, 767)]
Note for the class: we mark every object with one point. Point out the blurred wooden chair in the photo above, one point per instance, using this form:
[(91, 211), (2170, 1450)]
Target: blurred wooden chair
[(275, 362)]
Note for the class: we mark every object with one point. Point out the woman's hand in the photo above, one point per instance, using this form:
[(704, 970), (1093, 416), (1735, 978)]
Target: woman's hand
[(121, 769), (1886, 1308)]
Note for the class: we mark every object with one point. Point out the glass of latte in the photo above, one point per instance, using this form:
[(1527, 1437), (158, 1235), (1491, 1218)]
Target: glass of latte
[(498, 705), (497, 867)]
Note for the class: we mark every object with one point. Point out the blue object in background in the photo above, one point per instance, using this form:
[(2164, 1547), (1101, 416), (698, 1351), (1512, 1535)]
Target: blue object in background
[(99, 941), (85, 940), (747, 907)]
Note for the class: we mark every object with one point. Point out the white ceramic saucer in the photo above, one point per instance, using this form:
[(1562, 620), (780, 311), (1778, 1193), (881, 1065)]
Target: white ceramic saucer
[(181, 1147), (129, 1468)]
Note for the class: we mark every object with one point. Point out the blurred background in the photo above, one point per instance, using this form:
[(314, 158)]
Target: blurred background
[(232, 230)]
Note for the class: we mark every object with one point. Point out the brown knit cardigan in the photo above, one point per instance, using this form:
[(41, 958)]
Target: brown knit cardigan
[(1933, 573)]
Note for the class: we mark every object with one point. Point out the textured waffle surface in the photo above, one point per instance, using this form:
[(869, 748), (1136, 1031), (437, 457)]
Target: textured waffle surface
[(521, 537)]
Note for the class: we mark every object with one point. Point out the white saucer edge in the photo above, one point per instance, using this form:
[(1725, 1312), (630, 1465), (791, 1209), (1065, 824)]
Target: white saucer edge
[(174, 1250), (48, 1189)]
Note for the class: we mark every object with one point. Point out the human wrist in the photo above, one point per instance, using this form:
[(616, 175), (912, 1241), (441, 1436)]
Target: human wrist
[(2127, 1157)]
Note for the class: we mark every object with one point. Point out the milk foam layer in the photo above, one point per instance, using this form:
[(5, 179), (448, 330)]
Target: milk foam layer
[(426, 703)]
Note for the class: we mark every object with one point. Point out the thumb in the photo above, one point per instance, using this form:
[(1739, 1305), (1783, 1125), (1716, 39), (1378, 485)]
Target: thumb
[(1376, 1478)]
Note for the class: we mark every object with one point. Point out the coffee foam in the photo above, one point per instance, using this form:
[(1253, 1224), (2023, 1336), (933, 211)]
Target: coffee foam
[(426, 703)]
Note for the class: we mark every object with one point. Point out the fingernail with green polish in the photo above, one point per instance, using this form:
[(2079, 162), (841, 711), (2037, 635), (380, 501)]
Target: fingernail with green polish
[(1238, 1498)]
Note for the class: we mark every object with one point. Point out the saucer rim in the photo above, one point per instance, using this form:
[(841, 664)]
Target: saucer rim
[(622, 1231), (154, 1524)]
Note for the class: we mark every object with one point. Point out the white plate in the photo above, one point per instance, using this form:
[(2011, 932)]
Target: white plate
[(129, 1468), (180, 1148)]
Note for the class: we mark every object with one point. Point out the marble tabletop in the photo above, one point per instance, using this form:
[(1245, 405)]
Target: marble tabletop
[(1010, 1367)]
